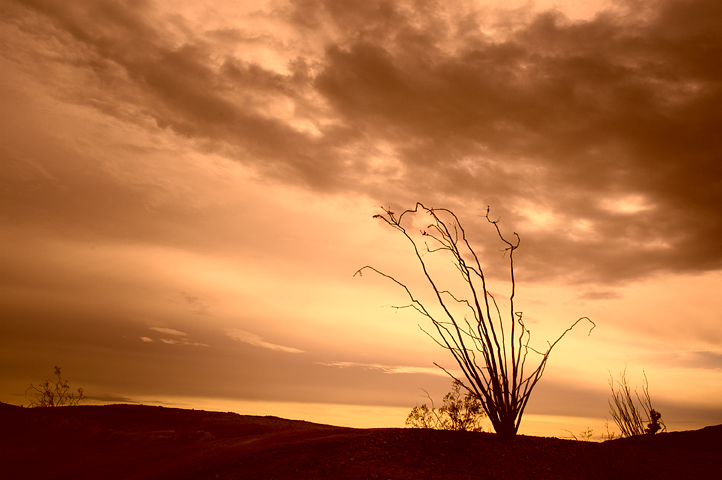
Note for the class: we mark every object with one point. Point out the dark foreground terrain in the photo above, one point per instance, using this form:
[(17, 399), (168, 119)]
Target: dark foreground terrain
[(142, 442)]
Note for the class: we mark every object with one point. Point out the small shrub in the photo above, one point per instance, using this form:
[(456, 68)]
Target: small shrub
[(609, 435), (457, 413), (655, 422), (584, 436), (54, 393), (627, 415)]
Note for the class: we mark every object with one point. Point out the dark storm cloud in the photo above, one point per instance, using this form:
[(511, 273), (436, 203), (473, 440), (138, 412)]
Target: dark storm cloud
[(478, 107), (563, 115)]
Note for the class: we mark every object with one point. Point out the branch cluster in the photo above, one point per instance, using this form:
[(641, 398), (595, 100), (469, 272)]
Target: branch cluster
[(627, 416), (54, 393), (457, 413), (490, 348)]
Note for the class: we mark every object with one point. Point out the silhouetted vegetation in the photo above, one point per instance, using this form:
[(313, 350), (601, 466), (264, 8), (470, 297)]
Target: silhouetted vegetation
[(609, 435), (457, 413), (490, 350), (627, 416), (584, 435), (54, 393)]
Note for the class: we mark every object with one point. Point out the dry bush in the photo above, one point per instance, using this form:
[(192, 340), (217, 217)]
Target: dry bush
[(457, 413), (490, 346), (584, 436), (54, 393), (627, 415)]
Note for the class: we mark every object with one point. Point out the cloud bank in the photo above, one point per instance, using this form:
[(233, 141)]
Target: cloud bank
[(598, 136)]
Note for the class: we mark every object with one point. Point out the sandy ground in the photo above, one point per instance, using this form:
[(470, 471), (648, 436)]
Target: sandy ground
[(143, 442)]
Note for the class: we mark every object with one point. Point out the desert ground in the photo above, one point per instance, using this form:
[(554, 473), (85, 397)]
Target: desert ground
[(145, 442)]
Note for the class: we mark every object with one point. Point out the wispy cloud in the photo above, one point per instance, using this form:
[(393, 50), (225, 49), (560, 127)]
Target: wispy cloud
[(255, 340), (196, 303), (109, 397), (699, 359), (174, 341), (169, 331), (390, 369), (170, 341)]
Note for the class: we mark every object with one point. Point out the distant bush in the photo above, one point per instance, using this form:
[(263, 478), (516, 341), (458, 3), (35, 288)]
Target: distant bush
[(584, 436), (627, 416), (609, 435), (457, 413), (54, 393)]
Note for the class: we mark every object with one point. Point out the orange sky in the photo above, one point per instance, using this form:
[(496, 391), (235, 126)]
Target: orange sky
[(188, 189)]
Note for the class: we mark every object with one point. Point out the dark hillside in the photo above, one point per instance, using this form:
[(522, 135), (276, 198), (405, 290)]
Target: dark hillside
[(142, 442)]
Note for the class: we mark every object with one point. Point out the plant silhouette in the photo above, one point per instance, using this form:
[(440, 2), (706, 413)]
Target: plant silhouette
[(584, 435), (627, 416), (457, 412), (490, 350), (54, 393)]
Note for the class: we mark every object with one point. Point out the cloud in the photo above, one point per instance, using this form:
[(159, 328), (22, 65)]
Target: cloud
[(599, 295), (568, 116), (174, 341), (390, 369), (609, 125), (255, 340), (171, 341), (695, 360), (199, 307), (109, 397), (169, 331)]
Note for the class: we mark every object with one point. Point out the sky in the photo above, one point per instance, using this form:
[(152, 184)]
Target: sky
[(187, 189)]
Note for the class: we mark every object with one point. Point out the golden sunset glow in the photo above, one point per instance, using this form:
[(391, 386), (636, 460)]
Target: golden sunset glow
[(187, 189)]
